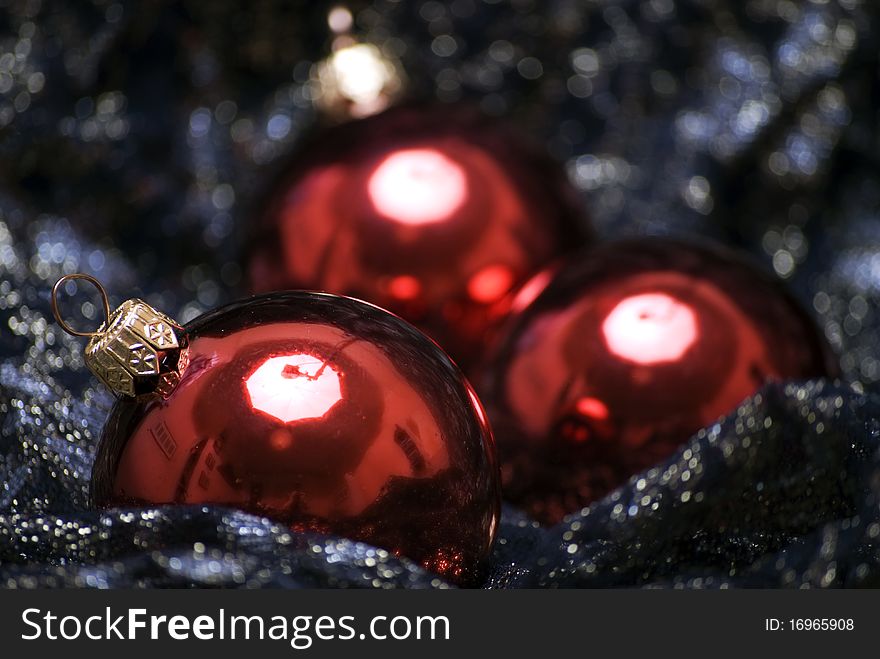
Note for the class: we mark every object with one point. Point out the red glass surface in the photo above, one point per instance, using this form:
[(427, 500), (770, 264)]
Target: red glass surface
[(624, 354), (325, 413), (437, 214)]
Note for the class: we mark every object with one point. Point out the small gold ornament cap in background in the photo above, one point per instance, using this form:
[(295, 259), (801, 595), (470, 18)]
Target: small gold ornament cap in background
[(136, 350), (357, 78)]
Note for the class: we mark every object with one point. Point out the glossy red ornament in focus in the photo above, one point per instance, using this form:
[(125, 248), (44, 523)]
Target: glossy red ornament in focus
[(324, 413), (626, 353), (436, 213)]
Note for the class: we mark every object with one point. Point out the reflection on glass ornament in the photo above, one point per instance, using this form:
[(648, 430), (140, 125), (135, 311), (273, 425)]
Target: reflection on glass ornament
[(624, 354), (322, 412), (417, 186), (436, 213), (650, 328)]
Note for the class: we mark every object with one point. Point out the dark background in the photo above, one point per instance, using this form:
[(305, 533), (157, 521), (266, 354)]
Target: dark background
[(134, 140)]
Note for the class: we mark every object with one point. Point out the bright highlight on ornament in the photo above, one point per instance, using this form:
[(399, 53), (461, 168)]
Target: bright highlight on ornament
[(404, 287), (295, 387), (417, 186), (339, 20), (531, 290), (592, 408), (650, 328), (490, 284)]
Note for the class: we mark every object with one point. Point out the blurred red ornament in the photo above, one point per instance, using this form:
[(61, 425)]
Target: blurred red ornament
[(626, 353), (325, 413), (436, 213)]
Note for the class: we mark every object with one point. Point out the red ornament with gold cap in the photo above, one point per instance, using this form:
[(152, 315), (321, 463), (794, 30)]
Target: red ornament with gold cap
[(322, 412), (610, 364)]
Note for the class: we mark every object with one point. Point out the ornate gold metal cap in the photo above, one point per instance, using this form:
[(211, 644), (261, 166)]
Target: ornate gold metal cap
[(136, 350)]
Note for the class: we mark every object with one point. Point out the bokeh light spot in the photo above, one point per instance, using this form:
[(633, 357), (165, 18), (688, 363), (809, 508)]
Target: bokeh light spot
[(490, 284), (592, 408), (295, 387), (404, 287)]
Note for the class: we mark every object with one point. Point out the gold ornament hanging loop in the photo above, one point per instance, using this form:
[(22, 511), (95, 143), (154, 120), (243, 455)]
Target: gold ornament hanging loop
[(136, 350), (57, 313)]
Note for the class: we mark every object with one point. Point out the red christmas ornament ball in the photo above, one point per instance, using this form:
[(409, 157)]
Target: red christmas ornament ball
[(435, 213), (322, 412), (624, 355)]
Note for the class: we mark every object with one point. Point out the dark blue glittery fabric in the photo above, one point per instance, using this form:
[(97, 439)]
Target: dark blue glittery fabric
[(135, 137)]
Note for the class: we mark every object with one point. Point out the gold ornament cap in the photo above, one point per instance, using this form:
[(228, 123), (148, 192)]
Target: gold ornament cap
[(357, 79), (136, 350)]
